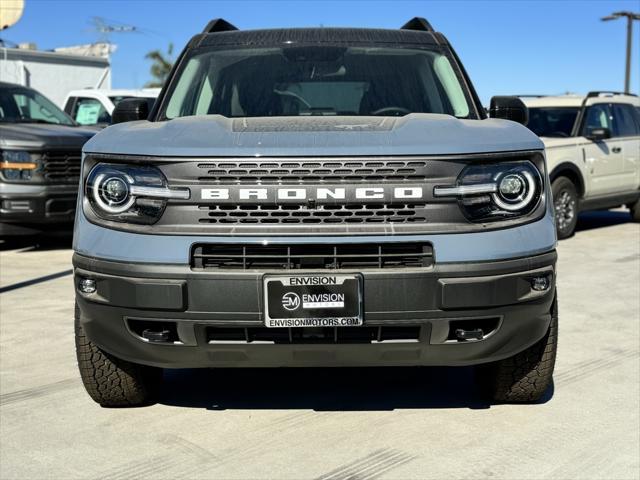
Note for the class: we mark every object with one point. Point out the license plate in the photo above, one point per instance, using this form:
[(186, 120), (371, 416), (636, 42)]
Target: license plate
[(312, 301)]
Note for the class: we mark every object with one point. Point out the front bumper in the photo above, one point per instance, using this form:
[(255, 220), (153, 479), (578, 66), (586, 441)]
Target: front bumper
[(433, 301), (30, 209)]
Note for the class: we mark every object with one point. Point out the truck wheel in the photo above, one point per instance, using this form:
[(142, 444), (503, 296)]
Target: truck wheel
[(525, 377), (565, 203), (635, 211), (111, 381)]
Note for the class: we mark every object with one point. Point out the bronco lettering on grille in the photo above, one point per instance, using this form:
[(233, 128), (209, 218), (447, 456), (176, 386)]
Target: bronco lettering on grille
[(297, 194)]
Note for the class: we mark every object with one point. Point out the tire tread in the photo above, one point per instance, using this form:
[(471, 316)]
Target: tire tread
[(525, 377), (111, 381)]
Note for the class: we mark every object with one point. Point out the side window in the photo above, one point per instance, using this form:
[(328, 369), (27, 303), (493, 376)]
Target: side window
[(623, 120), (89, 111), (597, 116)]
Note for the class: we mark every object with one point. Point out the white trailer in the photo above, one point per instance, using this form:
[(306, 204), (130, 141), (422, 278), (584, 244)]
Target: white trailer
[(54, 74)]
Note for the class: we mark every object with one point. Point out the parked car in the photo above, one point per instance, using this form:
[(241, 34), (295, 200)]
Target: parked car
[(310, 198), (593, 152), (95, 107), (40, 148)]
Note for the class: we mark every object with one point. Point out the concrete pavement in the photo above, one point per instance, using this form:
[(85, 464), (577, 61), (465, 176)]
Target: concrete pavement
[(331, 424)]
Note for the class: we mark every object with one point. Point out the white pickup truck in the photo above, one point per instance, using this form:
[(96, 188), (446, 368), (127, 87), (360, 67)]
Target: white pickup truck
[(593, 152), (92, 107)]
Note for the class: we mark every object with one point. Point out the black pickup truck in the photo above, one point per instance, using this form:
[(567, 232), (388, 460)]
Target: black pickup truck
[(40, 150)]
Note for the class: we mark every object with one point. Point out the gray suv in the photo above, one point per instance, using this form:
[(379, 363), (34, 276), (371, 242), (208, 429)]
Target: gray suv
[(315, 197)]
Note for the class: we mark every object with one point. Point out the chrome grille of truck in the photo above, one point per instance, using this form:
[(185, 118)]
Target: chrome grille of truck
[(302, 172), (298, 256), (61, 166), (321, 214)]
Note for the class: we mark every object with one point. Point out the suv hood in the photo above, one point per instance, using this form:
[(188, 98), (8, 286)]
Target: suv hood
[(214, 135), (39, 136)]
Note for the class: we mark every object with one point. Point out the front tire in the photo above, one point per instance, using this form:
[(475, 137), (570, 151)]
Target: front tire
[(111, 381), (565, 204), (525, 377)]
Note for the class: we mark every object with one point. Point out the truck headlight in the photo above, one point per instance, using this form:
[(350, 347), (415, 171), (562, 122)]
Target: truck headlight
[(495, 191), (17, 165), (129, 193)]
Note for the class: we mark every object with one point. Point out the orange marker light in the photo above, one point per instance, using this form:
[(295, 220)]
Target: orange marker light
[(18, 166)]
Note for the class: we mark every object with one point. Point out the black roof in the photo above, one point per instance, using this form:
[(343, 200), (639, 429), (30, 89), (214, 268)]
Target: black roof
[(350, 36), (219, 32)]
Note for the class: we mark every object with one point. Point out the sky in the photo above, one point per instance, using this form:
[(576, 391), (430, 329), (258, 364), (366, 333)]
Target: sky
[(507, 46)]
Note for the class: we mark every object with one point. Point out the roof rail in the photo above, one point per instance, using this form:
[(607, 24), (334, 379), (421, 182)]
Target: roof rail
[(219, 25), (418, 23), (534, 95), (611, 92)]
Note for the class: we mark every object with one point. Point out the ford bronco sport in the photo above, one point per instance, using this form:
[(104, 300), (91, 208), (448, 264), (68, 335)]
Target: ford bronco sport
[(316, 197), (593, 152)]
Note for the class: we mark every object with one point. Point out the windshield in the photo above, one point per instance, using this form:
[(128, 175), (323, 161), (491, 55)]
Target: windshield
[(552, 121), (23, 105), (325, 80)]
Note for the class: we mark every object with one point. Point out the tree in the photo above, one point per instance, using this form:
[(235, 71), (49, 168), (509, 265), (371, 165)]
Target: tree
[(160, 66)]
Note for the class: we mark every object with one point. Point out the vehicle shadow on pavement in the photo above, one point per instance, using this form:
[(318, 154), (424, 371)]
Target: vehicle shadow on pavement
[(36, 243), (325, 389), (601, 219)]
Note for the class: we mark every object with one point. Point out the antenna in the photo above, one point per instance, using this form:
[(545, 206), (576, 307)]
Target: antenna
[(105, 28)]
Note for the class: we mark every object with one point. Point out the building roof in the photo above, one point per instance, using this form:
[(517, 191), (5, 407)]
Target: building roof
[(51, 57)]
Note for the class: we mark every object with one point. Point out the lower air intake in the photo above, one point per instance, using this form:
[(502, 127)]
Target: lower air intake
[(356, 256), (341, 335)]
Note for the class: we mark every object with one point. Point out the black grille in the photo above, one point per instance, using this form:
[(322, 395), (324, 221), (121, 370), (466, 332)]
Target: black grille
[(299, 256), (327, 214), (301, 172), (331, 335), (61, 166)]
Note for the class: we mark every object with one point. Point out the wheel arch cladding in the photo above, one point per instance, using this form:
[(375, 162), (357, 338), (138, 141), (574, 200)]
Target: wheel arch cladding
[(572, 172)]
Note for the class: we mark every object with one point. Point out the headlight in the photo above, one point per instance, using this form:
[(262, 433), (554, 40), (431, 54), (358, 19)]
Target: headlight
[(496, 191), (17, 165), (129, 193)]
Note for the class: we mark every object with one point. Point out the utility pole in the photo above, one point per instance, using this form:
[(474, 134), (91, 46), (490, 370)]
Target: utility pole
[(630, 18)]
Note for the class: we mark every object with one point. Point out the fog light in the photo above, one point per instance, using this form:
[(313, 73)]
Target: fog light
[(540, 284), (87, 285)]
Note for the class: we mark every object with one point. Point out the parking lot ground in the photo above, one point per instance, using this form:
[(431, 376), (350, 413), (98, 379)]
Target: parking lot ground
[(324, 423)]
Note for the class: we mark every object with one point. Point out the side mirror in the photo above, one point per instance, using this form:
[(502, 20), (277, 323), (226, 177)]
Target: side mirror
[(597, 134), (130, 109), (509, 108)]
